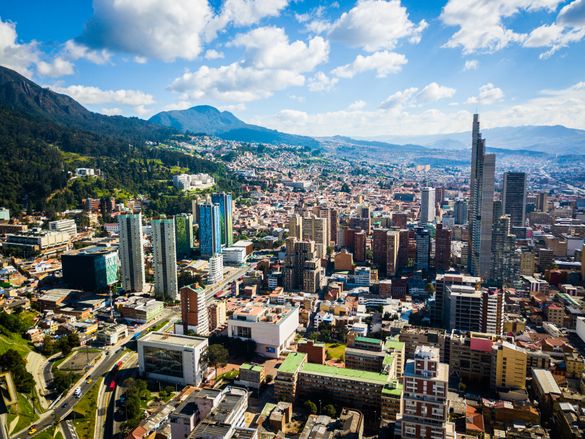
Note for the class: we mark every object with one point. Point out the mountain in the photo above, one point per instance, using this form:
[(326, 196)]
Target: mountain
[(21, 95), (206, 119), (555, 139), (44, 136)]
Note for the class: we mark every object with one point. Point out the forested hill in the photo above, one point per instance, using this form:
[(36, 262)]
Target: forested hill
[(45, 135)]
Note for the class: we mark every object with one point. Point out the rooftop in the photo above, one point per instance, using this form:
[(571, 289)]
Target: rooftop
[(343, 373), (173, 339), (292, 362)]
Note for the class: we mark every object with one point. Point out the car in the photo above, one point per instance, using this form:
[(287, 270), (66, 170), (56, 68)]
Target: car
[(89, 380), (64, 406), (32, 429)]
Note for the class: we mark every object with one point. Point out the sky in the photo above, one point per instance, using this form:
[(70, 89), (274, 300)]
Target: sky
[(366, 68)]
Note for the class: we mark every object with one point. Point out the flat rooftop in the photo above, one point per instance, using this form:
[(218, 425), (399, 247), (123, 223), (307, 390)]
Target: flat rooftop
[(292, 362), (346, 374), (173, 339)]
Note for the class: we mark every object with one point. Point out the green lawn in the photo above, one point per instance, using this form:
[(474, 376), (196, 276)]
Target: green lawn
[(16, 342), (158, 326), (85, 409), (51, 433), (335, 351), (25, 412)]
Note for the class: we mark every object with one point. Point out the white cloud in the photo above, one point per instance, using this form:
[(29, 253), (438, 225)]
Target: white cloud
[(292, 116), (321, 82), (376, 24), (59, 67), (234, 82), (244, 13), (357, 105), (75, 51), (481, 24), (413, 97), (488, 94), (14, 55), (269, 48), (153, 28), (213, 54), (88, 95), (113, 111), (384, 63), (471, 64)]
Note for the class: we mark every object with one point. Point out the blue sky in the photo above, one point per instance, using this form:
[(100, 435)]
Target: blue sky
[(367, 68)]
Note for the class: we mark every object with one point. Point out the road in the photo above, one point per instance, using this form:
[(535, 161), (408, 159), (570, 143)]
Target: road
[(37, 364), (212, 290), (65, 405)]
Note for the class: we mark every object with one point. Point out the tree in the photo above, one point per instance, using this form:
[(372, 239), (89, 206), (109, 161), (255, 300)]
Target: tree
[(329, 410), (12, 362), (217, 355), (310, 407)]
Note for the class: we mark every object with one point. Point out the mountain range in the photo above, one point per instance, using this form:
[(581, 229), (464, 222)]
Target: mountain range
[(206, 119)]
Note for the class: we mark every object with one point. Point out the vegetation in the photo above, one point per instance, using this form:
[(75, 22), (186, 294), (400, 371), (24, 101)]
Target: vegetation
[(12, 362), (329, 410), (334, 351), (137, 395), (310, 407), (84, 419), (64, 344), (24, 411), (235, 346), (217, 355)]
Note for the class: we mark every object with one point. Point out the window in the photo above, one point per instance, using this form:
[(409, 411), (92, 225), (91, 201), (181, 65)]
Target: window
[(243, 332)]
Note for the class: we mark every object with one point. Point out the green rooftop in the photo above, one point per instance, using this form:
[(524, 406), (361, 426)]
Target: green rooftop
[(268, 407), (254, 367), (394, 388), (388, 360), (343, 373), (292, 362), (394, 344), (368, 340)]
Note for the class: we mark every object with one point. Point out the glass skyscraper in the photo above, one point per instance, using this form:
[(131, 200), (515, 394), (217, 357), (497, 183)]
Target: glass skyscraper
[(184, 235), (224, 201), (209, 229)]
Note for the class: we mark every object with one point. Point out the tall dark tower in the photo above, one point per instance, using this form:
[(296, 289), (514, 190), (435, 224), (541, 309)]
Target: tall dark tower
[(514, 197), (483, 167)]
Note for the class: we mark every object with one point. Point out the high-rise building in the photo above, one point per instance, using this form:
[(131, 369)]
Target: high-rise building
[(505, 260), (224, 201), (542, 202), (514, 197), (333, 224), (215, 271), (317, 229), (481, 204), (427, 205), (464, 308), (302, 267), (440, 306), (423, 249), (508, 366), (194, 313), (385, 251), (131, 252), (359, 246), (209, 229), (460, 211), (492, 303), (425, 385), (442, 248), (164, 258), (295, 226), (399, 220), (403, 241), (184, 235)]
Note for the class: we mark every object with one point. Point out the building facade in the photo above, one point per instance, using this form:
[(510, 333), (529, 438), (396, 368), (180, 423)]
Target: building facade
[(164, 259), (131, 252)]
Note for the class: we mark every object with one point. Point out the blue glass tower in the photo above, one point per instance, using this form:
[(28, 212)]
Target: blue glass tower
[(226, 222), (209, 229)]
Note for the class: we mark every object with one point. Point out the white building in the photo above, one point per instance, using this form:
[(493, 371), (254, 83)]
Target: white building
[(215, 271), (84, 172), (581, 328), (193, 181), (362, 276), (234, 255), (273, 328), (165, 258), (173, 358), (4, 214), (131, 252), (65, 225), (427, 205)]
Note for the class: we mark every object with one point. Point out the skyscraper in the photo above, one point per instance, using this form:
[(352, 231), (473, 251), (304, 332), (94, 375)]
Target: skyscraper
[(385, 250), (442, 248), (184, 235), (131, 252), (423, 249), (481, 204), (317, 229), (302, 267), (164, 258), (224, 201), (505, 261), (194, 312), (514, 197), (209, 229), (427, 205), (215, 271), (460, 211), (295, 226)]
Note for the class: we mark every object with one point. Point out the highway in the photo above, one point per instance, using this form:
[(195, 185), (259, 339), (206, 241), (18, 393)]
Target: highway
[(212, 290), (65, 405)]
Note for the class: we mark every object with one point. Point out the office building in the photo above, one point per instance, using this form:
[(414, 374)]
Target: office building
[(91, 268), (302, 267), (234, 255), (427, 205), (140, 309), (295, 226), (385, 251), (64, 225), (439, 306), (442, 248), (464, 308), (131, 252), (164, 259), (184, 235), (36, 241), (173, 358), (425, 406), (423, 249), (508, 366), (224, 201), (209, 229), (460, 211), (215, 269), (317, 229), (514, 197), (194, 313), (480, 209), (492, 314), (542, 202), (505, 260)]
